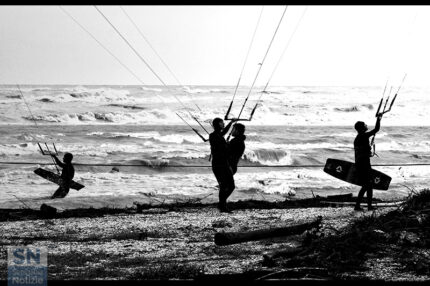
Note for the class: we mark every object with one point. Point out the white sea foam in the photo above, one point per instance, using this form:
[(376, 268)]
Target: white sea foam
[(154, 135), (154, 116), (268, 156), (289, 106), (408, 146), (203, 90), (303, 146), (151, 89), (107, 108), (11, 150), (34, 137), (16, 182)]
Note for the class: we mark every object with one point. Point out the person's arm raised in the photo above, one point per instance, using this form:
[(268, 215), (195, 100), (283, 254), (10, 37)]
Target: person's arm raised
[(59, 163), (225, 130), (377, 126)]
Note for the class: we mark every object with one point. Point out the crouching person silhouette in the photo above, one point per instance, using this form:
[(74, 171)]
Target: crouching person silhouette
[(363, 153), (67, 175)]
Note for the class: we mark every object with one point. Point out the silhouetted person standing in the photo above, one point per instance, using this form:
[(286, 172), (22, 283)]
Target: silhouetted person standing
[(220, 161), (67, 175), (363, 153), (237, 145)]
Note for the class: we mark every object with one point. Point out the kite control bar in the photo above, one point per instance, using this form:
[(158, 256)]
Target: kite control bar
[(239, 119), (249, 119), (47, 151), (384, 110)]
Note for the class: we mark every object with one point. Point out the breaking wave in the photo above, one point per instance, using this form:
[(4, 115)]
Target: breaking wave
[(102, 94), (127, 106), (152, 89), (285, 106), (18, 149), (153, 135), (268, 157), (153, 116), (203, 90), (354, 108)]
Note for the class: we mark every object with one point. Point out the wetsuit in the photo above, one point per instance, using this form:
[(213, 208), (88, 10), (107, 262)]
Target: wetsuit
[(67, 175), (237, 147), (220, 165), (363, 153)]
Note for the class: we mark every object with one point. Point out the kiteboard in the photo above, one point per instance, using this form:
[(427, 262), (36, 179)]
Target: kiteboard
[(52, 177), (346, 171)]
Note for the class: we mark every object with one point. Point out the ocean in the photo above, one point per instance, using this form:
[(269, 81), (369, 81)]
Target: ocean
[(135, 125)]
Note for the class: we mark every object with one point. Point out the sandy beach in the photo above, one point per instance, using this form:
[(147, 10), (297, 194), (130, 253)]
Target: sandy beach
[(178, 242)]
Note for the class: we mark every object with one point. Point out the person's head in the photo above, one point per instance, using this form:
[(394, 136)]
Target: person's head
[(218, 124), (238, 129), (67, 158), (360, 126)]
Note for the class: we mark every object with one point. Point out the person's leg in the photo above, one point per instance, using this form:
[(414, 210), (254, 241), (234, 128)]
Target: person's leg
[(230, 182), (229, 190), (225, 192), (222, 205), (362, 173), (222, 197), (369, 187), (360, 197), (218, 172), (369, 198)]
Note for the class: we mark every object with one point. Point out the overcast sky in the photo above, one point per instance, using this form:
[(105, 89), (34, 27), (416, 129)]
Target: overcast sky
[(207, 45)]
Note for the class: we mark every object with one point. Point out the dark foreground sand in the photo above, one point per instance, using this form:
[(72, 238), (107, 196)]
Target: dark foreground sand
[(175, 242)]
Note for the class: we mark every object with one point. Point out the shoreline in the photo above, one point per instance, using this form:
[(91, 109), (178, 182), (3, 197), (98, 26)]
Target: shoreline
[(178, 203)]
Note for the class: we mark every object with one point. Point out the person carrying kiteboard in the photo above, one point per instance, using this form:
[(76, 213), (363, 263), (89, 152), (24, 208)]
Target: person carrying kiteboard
[(221, 168), (363, 152), (236, 145), (67, 175)]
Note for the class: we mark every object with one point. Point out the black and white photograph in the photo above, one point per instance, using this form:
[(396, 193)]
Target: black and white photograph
[(203, 143)]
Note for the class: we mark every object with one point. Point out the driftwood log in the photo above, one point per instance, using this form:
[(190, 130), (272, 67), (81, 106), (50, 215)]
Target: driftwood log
[(226, 238)]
